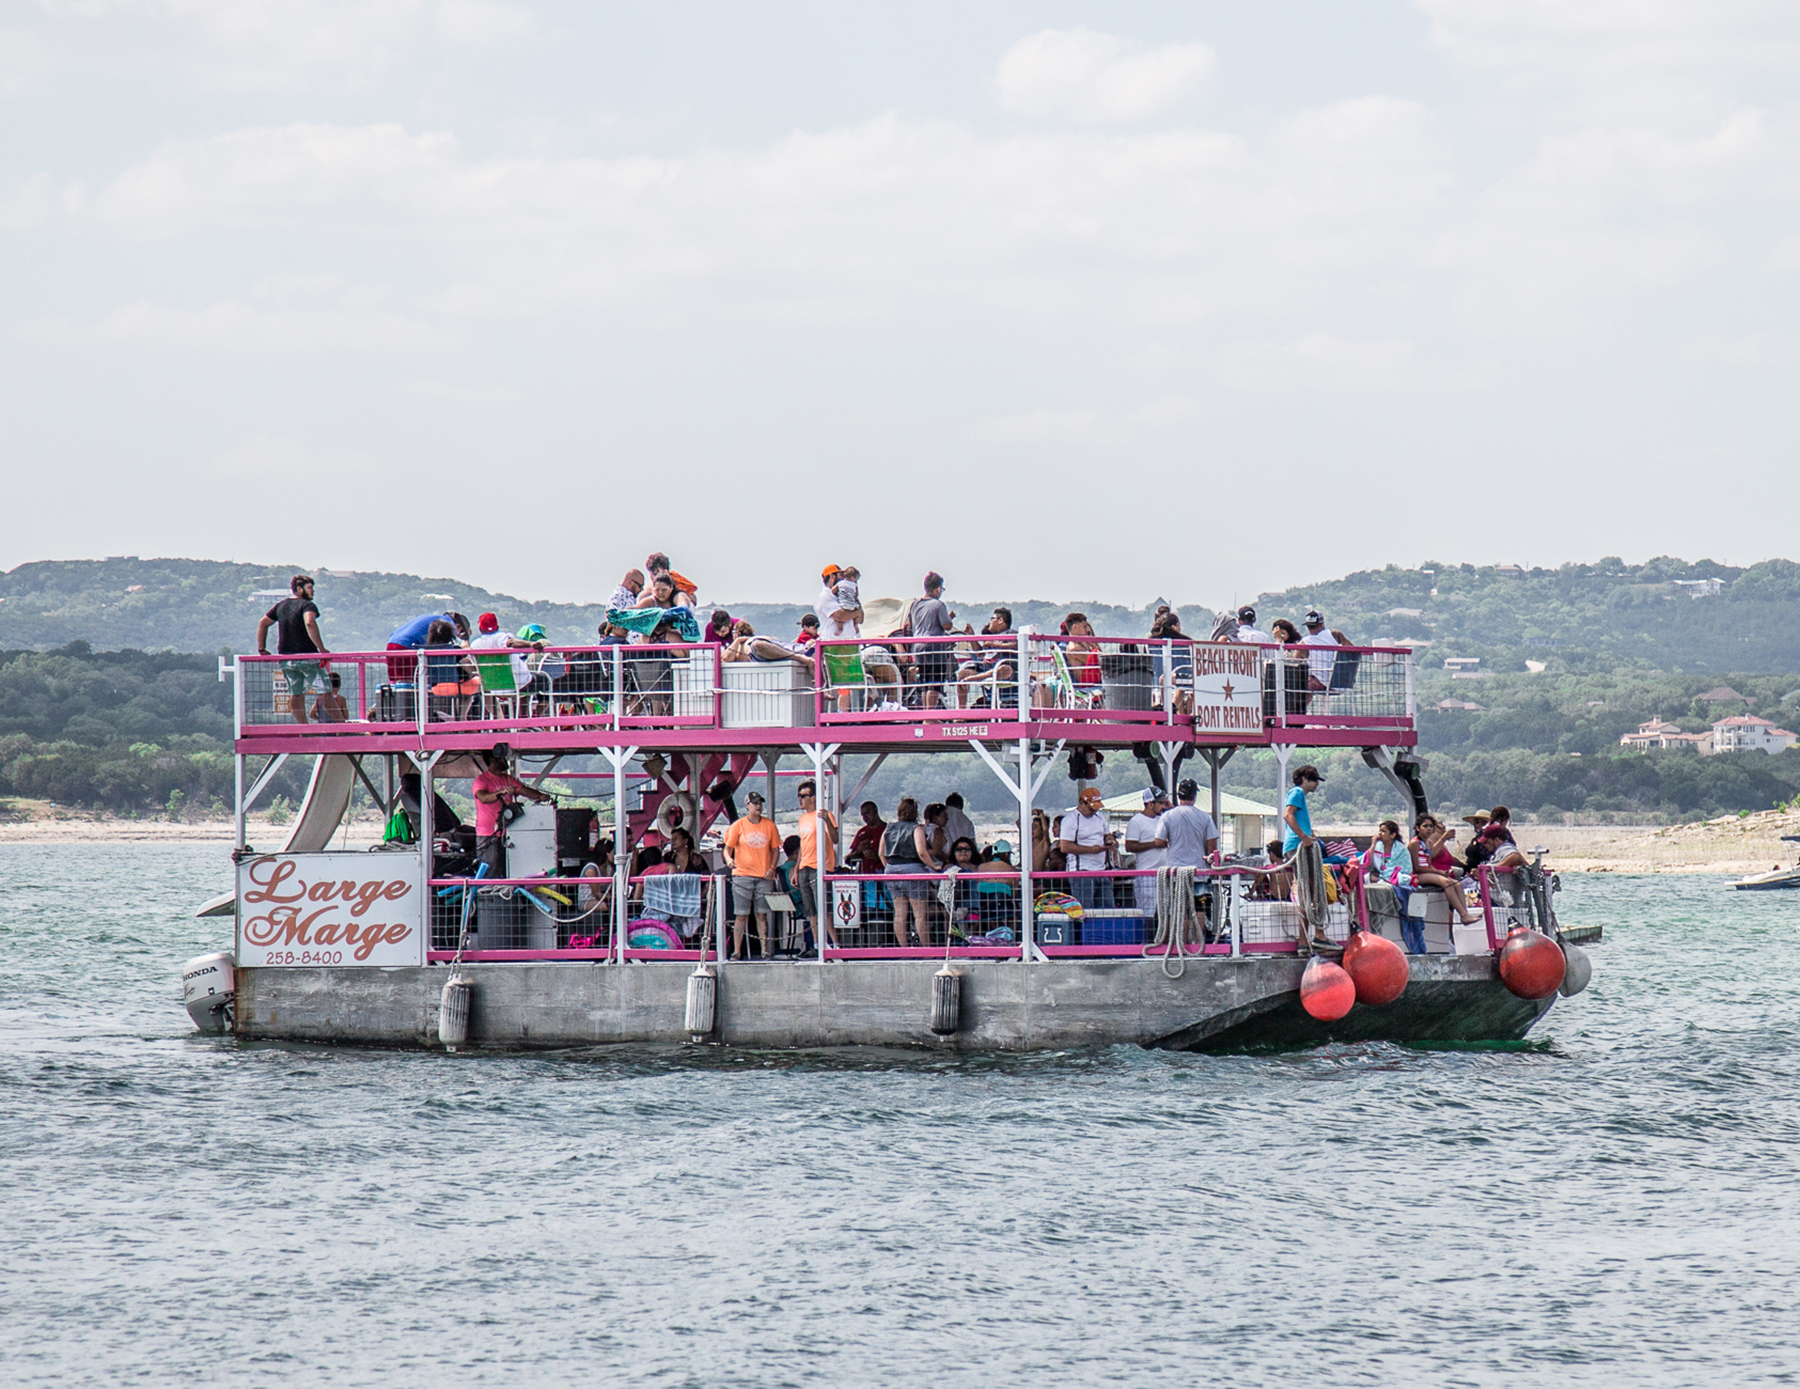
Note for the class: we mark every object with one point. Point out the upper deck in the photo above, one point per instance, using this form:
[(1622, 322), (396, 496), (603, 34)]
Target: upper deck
[(886, 694)]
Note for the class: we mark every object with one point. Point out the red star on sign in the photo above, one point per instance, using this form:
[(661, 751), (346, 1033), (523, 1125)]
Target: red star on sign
[(1228, 692)]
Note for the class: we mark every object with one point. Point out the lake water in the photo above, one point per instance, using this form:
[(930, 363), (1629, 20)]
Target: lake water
[(1614, 1204)]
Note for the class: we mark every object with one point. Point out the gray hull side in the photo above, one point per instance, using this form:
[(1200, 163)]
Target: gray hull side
[(1215, 1005)]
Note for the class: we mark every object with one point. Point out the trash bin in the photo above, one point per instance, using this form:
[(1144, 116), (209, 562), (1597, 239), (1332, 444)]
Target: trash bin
[(1127, 680)]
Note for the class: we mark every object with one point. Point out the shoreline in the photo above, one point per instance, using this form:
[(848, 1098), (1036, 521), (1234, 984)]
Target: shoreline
[(1731, 844)]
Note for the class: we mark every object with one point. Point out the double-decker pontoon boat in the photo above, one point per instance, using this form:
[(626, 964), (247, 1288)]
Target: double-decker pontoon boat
[(408, 944)]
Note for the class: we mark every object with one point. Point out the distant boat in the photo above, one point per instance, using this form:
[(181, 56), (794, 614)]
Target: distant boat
[(1776, 877)]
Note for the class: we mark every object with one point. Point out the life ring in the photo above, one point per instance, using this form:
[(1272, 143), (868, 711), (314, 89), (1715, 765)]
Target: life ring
[(690, 816)]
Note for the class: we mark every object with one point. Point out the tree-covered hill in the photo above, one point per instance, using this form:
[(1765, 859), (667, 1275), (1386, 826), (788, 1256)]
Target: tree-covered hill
[(1583, 618), (207, 605)]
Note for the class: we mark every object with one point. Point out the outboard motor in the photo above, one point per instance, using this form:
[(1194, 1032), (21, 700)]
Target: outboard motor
[(208, 986)]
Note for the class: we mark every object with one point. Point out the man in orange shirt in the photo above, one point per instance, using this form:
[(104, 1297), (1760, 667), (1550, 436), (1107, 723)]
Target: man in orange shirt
[(808, 877), (753, 849)]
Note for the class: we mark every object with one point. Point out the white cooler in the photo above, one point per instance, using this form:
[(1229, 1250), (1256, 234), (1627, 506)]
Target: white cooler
[(775, 694)]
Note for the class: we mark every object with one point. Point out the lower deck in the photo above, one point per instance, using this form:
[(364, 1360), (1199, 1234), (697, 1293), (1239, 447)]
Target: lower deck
[(1211, 1003)]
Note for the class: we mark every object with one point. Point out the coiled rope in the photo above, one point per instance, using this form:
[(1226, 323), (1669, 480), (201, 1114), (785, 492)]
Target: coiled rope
[(1177, 924), (1309, 884)]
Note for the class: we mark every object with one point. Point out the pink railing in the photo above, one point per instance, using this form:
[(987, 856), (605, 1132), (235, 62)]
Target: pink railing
[(860, 681)]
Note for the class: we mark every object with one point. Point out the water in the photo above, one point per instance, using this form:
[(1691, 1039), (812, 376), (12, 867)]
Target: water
[(1613, 1205)]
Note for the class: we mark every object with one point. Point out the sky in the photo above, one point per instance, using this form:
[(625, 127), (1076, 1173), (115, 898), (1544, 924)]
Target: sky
[(1069, 300)]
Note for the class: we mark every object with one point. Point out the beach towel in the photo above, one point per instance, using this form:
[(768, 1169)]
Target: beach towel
[(672, 896), (646, 620)]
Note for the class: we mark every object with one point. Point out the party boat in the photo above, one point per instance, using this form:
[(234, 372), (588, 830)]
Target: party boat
[(413, 944)]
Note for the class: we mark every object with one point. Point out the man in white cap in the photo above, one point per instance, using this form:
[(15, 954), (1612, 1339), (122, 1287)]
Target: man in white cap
[(1084, 839), (1143, 838), (1321, 661), (1248, 631)]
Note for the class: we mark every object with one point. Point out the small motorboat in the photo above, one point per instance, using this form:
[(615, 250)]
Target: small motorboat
[(1775, 877)]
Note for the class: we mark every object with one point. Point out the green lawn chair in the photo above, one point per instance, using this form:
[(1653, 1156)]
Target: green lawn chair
[(497, 683)]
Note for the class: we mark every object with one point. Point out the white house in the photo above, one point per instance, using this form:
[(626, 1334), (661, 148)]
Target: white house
[(1746, 733)]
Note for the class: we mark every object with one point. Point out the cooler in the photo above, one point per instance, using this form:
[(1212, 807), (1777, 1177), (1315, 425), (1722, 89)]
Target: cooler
[(773, 694)]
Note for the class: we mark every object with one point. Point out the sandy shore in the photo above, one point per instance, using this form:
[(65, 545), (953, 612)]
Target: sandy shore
[(1731, 844), (80, 829)]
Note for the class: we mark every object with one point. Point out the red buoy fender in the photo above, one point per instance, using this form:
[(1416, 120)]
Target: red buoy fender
[(1353, 948), (1531, 964), (1326, 991), (1379, 970)]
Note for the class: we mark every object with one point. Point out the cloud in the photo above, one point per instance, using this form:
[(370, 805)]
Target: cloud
[(1173, 225), (1319, 361), (270, 457), (283, 314), (269, 45), (1080, 75), (444, 390), (1084, 427)]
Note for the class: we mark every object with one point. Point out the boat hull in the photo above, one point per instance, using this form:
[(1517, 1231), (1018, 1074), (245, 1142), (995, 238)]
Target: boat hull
[(1215, 1004), (1769, 883)]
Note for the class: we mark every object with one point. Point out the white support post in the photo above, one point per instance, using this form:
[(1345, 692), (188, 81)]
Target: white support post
[(620, 758), (238, 773), (427, 765), (618, 684), (1411, 704), (818, 752), (1026, 789), (1022, 678), (1168, 685)]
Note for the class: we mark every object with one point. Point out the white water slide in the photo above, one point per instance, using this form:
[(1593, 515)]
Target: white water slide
[(321, 813)]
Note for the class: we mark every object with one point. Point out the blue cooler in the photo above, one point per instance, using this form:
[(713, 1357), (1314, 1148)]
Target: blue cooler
[(1126, 929)]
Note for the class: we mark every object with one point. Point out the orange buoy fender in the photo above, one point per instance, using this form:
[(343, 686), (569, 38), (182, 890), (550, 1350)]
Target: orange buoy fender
[(1531, 965), (1326, 991), (1352, 948), (1378, 970)]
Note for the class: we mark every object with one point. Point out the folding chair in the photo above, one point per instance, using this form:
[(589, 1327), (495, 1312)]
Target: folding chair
[(497, 684)]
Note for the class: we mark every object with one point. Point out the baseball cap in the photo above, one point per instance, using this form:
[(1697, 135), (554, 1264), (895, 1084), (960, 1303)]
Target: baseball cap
[(1246, 614), (754, 798), (1091, 796), (1152, 795), (827, 572), (1189, 787), (488, 622), (1307, 773), (1314, 618), (1002, 846)]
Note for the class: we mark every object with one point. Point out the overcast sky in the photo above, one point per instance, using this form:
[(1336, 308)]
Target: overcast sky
[(1064, 300)]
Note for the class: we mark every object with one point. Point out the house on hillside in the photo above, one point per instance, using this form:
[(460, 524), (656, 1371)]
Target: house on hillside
[(1724, 695), (1659, 733), (1461, 662), (1701, 588), (1467, 706), (1745, 733)]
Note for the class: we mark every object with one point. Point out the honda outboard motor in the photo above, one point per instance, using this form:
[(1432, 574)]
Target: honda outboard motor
[(208, 986)]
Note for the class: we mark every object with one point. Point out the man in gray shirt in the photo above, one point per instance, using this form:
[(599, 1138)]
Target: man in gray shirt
[(931, 617), (1191, 834)]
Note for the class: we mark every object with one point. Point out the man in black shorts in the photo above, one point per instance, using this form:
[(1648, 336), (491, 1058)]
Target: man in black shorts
[(296, 621), (931, 617)]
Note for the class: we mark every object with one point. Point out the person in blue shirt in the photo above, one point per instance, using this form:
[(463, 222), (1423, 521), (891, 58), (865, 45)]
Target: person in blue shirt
[(411, 636), (1294, 814)]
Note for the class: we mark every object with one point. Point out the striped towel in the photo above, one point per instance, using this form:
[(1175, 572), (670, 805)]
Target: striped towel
[(1342, 848)]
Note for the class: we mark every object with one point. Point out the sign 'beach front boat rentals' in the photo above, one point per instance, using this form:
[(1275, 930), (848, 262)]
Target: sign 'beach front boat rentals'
[(330, 909), (1227, 688)]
